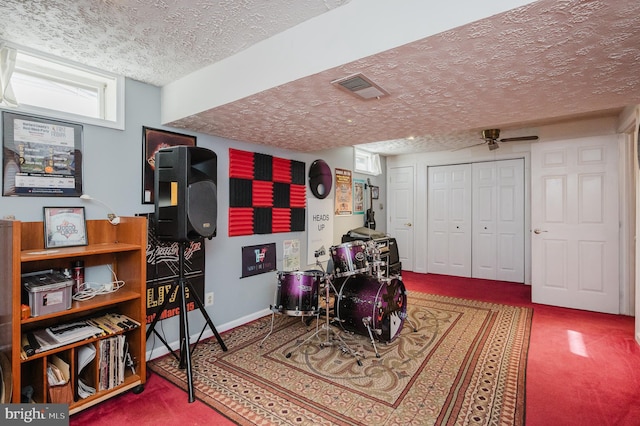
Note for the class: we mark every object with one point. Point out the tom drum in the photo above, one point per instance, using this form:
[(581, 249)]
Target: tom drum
[(349, 259), (298, 292)]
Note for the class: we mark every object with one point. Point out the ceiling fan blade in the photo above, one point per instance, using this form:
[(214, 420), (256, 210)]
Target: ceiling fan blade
[(520, 138), (466, 147)]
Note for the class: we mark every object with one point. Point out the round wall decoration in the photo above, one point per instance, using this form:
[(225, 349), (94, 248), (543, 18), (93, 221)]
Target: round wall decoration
[(320, 179)]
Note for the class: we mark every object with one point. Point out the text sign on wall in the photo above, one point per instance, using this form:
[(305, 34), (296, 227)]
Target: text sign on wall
[(258, 259), (163, 272)]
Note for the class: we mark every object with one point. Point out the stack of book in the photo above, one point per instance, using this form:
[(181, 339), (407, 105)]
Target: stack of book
[(114, 323), (112, 362), (45, 339)]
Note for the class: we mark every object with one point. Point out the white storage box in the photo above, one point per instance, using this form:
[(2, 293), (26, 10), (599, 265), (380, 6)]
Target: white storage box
[(49, 292)]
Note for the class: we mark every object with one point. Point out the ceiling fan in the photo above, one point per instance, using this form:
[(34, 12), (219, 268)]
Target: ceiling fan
[(491, 136)]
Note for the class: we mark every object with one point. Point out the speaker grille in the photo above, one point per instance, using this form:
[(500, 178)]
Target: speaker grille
[(202, 209)]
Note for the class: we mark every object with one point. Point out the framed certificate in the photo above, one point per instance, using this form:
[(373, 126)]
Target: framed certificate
[(64, 227)]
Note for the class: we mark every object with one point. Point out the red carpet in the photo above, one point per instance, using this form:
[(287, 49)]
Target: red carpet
[(583, 367)]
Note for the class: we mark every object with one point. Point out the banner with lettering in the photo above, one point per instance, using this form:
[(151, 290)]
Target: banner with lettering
[(320, 229), (163, 273), (258, 259)]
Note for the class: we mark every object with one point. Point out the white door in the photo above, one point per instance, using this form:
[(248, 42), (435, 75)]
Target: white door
[(498, 220), (401, 212), (449, 220), (574, 216)]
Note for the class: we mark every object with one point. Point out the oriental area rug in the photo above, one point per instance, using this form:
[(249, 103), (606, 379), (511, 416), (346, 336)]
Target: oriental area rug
[(454, 362)]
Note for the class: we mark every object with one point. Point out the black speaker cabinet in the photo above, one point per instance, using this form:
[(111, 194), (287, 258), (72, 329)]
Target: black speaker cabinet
[(185, 188)]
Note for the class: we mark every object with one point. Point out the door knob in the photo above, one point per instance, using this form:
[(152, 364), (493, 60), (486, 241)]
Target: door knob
[(408, 224), (537, 231)]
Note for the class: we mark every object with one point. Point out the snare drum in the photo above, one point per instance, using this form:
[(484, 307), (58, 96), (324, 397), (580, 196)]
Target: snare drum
[(380, 304), (298, 292), (349, 259)]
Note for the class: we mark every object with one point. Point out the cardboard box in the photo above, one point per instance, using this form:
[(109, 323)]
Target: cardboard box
[(49, 292)]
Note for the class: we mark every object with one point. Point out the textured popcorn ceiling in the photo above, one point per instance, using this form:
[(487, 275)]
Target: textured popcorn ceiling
[(538, 64)]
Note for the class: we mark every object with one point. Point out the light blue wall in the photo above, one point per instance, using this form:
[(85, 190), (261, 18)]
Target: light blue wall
[(112, 173)]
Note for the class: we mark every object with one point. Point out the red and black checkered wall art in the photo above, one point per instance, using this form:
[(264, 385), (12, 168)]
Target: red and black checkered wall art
[(266, 194)]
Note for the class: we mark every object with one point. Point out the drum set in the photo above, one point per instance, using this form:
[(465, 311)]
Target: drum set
[(364, 300)]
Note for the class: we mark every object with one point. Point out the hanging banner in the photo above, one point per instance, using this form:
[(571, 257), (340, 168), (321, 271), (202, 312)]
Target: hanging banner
[(320, 228), (344, 198), (258, 259), (163, 273)]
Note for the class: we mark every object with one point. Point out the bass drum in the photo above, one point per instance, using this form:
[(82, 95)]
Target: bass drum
[(298, 292), (379, 303)]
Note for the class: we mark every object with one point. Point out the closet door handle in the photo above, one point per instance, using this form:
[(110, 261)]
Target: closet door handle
[(408, 224), (538, 231)]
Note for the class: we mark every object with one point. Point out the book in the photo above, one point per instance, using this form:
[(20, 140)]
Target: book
[(74, 332)]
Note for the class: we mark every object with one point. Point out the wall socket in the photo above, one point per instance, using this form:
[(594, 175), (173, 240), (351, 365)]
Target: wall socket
[(208, 299)]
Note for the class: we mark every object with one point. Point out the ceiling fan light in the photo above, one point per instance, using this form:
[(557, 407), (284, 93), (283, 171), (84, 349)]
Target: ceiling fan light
[(493, 145)]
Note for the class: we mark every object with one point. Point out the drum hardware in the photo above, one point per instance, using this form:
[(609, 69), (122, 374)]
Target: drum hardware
[(276, 310), (326, 327), (367, 323), (297, 295)]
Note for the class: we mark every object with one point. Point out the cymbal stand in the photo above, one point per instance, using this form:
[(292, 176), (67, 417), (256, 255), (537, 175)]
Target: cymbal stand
[(326, 327)]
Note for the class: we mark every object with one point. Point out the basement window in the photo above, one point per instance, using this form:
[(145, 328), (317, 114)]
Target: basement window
[(366, 162), (57, 88)]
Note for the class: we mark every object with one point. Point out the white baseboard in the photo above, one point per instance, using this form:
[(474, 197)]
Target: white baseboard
[(175, 345)]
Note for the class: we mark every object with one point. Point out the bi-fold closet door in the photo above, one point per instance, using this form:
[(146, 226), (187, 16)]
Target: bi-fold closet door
[(476, 220)]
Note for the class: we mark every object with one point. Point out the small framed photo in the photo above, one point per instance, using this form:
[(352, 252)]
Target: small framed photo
[(64, 227), (375, 192)]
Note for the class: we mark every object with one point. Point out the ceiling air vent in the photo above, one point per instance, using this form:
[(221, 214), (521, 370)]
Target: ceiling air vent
[(360, 86)]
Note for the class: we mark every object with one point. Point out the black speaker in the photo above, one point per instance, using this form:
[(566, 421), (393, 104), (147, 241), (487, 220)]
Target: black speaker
[(185, 188)]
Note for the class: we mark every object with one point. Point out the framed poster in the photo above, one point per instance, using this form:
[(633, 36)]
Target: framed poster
[(344, 198), (358, 196), (375, 192), (64, 227), (152, 141), (41, 157)]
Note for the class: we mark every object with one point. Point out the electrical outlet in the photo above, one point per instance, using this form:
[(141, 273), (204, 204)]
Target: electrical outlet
[(208, 299)]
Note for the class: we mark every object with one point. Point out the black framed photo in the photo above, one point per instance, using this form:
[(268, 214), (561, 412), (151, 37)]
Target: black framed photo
[(375, 192), (41, 157), (64, 227), (154, 140)]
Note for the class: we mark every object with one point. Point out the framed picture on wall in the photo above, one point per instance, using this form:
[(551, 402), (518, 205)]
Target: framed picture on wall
[(41, 157), (375, 192), (64, 227), (154, 140)]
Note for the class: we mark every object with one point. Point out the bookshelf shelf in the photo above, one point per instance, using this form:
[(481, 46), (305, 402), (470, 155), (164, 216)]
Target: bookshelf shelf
[(120, 247)]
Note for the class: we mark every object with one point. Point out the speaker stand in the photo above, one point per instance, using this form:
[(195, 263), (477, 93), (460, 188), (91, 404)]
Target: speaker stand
[(184, 360)]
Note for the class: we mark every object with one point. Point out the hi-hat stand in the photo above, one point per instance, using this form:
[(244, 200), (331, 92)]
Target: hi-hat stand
[(184, 359)]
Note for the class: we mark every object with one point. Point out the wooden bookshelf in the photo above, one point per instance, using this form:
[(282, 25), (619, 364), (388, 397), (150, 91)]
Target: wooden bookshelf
[(123, 248)]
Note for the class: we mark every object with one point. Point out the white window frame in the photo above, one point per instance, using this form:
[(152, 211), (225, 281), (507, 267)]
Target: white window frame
[(110, 87), (366, 162)]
